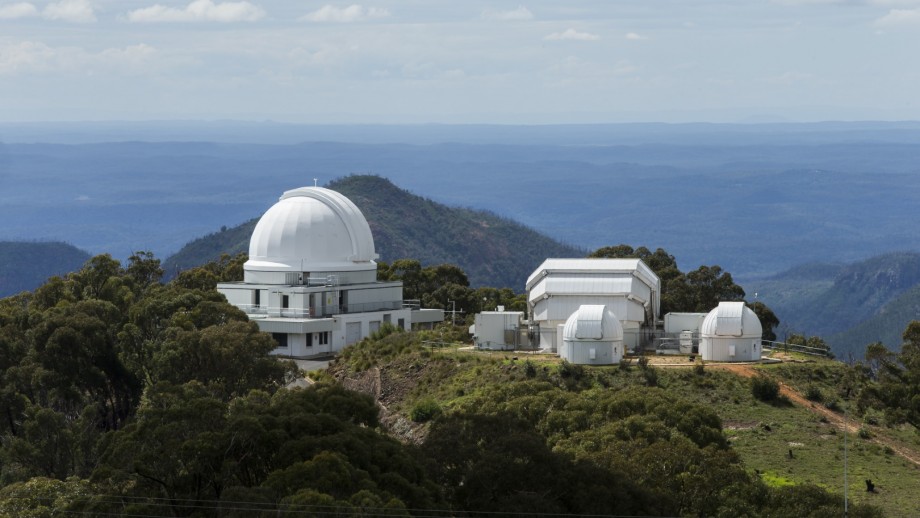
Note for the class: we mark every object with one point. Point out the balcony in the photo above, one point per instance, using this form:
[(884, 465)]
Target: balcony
[(321, 312)]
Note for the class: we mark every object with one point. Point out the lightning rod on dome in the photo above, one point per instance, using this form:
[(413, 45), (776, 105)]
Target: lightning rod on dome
[(314, 182)]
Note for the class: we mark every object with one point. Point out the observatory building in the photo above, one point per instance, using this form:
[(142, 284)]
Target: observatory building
[(592, 336), (731, 333), (311, 279), (627, 287)]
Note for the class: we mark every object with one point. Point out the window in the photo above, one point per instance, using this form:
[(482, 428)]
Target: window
[(402, 323), (386, 317), (285, 302), (281, 339), (255, 298), (323, 337)]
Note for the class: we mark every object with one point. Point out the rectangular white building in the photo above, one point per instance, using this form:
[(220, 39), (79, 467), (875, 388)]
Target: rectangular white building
[(558, 287)]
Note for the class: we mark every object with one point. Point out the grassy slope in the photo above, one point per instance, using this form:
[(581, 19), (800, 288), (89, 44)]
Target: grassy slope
[(761, 433)]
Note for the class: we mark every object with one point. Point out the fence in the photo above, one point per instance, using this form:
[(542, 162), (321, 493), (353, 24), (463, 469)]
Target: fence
[(804, 349)]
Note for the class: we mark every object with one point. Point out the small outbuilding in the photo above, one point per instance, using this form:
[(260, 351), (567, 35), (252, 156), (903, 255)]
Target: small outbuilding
[(592, 336), (731, 333), (499, 330)]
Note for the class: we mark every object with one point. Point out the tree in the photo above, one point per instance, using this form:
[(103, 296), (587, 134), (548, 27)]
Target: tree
[(768, 319), (898, 386), (144, 269), (700, 290), (713, 285)]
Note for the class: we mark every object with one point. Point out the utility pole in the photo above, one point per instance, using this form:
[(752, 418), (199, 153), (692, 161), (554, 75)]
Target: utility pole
[(846, 510), (453, 312)]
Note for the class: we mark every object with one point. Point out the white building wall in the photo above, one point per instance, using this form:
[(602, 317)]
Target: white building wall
[(596, 352), (560, 307), (677, 322), (730, 349), (490, 328)]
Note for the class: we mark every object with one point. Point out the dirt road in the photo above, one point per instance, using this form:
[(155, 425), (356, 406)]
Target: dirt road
[(837, 420)]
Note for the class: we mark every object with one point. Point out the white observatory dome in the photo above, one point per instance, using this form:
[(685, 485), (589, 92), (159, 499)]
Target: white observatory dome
[(311, 230), (593, 335), (731, 319), (731, 332), (593, 322)]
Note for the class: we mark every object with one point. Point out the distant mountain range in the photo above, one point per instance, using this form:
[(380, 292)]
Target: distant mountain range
[(755, 199), (849, 305), (25, 266), (494, 251)]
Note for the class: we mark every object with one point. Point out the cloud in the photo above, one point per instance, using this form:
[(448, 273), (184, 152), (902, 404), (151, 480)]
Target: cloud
[(634, 36), (18, 10), (899, 18), (520, 14), (199, 11), (571, 34), (75, 11), (37, 57), (352, 13)]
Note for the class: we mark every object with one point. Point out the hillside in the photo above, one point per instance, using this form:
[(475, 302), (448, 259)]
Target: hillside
[(25, 266), (886, 326), (850, 305), (644, 422), (494, 251)]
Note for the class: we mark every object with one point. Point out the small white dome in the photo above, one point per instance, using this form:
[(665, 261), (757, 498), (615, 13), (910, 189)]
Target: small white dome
[(593, 323), (731, 319), (312, 229)]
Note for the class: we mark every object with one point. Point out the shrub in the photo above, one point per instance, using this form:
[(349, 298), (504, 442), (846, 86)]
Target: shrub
[(832, 403), (764, 388), (643, 362), (864, 433), (570, 370), (425, 410), (651, 376), (813, 393), (529, 369), (699, 369)]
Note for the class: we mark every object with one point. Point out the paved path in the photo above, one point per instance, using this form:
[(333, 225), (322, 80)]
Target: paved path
[(308, 366)]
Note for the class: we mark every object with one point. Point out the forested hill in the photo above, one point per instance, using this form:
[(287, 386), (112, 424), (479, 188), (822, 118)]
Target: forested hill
[(25, 266), (494, 251), (851, 305)]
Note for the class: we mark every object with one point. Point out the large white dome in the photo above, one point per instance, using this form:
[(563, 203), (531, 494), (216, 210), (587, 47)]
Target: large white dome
[(312, 229)]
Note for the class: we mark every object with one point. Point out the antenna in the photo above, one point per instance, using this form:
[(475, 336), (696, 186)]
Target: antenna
[(314, 182)]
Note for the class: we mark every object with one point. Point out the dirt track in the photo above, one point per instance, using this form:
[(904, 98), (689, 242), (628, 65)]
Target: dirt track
[(878, 433)]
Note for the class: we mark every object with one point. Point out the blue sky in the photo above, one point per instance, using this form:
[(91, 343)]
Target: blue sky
[(411, 61)]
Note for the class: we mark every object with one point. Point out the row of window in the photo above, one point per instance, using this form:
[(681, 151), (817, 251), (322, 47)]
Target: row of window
[(321, 338)]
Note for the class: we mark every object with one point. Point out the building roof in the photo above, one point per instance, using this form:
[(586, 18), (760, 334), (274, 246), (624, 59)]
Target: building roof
[(586, 276), (731, 319), (312, 229)]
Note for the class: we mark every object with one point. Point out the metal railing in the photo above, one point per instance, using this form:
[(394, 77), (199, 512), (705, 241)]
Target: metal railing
[(325, 311), (786, 347)]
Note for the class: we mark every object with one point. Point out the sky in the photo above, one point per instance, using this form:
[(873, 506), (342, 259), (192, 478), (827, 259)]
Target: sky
[(415, 61)]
